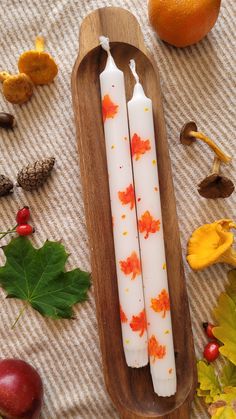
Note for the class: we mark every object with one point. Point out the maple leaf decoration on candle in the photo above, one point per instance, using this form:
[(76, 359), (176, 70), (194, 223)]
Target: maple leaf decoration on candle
[(139, 147), (109, 109), (161, 303), (148, 224), (127, 196), (123, 317), (156, 350), (139, 323), (131, 265)]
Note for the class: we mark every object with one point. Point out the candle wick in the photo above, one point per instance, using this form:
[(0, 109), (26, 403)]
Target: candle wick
[(105, 44), (132, 65)]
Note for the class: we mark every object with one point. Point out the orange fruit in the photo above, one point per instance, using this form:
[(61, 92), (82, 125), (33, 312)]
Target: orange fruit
[(183, 22)]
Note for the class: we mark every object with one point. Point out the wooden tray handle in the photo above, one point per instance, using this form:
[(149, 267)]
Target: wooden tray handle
[(106, 21)]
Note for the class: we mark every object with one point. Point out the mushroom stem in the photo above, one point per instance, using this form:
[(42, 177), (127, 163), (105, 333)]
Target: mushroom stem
[(4, 75), (39, 44), (216, 165), (222, 156)]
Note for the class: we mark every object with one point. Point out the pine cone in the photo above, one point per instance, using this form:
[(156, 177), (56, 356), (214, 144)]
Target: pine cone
[(6, 185), (34, 175)]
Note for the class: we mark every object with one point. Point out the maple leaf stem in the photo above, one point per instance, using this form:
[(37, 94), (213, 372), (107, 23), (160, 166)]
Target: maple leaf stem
[(19, 315), (4, 233)]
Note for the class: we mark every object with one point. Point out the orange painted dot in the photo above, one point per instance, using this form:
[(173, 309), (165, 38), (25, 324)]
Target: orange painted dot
[(125, 233), (146, 109), (123, 216), (125, 138), (112, 147), (164, 266), (127, 341), (170, 370), (167, 332), (126, 289), (154, 162), (156, 188)]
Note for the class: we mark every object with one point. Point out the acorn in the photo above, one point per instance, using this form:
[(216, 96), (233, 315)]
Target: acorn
[(34, 175), (6, 185), (7, 120)]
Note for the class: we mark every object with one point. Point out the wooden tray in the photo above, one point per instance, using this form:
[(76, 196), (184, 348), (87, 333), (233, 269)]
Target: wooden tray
[(130, 389)]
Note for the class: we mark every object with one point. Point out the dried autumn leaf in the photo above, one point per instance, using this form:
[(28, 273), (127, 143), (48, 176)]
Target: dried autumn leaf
[(127, 197), (161, 303), (208, 383), (139, 147), (109, 109), (148, 224), (139, 323), (131, 265), (37, 277)]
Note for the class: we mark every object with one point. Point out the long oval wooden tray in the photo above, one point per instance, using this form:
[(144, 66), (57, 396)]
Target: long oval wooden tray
[(131, 390)]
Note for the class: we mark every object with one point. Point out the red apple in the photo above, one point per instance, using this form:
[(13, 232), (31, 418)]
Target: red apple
[(21, 390)]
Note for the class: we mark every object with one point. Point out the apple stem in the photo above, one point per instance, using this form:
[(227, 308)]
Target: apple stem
[(19, 316)]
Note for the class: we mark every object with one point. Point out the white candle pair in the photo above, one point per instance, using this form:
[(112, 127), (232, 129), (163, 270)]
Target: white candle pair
[(145, 332)]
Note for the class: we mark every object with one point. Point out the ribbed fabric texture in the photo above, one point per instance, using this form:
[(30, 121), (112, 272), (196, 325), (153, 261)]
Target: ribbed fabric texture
[(197, 83)]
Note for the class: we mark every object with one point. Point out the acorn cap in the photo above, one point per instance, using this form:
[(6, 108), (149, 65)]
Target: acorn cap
[(6, 185), (216, 186), (185, 138)]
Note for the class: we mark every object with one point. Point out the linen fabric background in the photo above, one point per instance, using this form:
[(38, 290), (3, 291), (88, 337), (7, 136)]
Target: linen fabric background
[(197, 83)]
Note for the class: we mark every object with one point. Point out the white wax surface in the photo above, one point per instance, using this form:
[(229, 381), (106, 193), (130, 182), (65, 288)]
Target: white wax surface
[(152, 243), (123, 213)]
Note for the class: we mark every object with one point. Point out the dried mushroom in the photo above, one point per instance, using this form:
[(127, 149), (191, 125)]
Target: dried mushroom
[(189, 134), (210, 244), (17, 88), (38, 64), (215, 185)]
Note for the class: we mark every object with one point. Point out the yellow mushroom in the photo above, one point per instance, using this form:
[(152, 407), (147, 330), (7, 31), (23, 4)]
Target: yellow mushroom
[(17, 88), (210, 244), (37, 64)]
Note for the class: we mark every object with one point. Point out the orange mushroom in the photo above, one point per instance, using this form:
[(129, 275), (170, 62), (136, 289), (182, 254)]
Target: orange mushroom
[(17, 88), (38, 64)]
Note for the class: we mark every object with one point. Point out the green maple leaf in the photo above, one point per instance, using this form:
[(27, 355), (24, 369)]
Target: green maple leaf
[(209, 386), (225, 314), (37, 276)]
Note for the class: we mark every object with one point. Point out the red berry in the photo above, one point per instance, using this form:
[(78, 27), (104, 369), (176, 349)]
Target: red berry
[(23, 216), (208, 329), (211, 351), (24, 230)]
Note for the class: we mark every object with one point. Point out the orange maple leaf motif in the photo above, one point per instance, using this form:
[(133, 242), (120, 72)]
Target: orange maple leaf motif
[(161, 303), (139, 323), (123, 317), (148, 224), (127, 196), (109, 109), (139, 147), (156, 350), (131, 265)]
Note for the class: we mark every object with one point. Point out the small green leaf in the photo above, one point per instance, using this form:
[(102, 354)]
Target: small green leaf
[(209, 386), (37, 276), (225, 314)]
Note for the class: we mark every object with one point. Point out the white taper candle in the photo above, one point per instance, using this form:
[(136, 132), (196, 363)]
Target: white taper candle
[(156, 294), (128, 266)]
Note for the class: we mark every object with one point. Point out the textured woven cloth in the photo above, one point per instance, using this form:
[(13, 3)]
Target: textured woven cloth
[(197, 83)]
